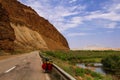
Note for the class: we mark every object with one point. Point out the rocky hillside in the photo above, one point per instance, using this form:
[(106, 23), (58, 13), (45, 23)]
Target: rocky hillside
[(22, 28), (7, 36)]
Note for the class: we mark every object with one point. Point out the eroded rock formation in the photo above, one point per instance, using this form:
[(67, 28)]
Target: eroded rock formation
[(22, 28)]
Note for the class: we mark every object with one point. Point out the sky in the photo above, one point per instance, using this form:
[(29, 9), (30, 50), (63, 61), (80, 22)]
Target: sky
[(82, 22)]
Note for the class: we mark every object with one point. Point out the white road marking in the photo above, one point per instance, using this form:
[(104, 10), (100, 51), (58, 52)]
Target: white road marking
[(10, 69)]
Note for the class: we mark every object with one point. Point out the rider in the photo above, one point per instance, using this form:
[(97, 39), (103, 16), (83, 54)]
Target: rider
[(47, 65)]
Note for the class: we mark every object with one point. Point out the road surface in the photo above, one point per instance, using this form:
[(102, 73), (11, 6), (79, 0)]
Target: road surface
[(23, 67)]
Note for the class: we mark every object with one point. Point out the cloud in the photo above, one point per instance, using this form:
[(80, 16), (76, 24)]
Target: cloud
[(109, 17), (112, 16), (77, 20), (78, 34), (111, 25), (64, 17), (115, 8), (71, 1), (65, 26), (110, 31), (61, 16)]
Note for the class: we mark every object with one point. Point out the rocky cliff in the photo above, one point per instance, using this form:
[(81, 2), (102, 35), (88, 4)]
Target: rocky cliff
[(7, 36), (22, 28)]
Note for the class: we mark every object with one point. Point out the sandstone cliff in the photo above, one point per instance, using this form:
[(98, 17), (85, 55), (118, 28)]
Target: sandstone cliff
[(22, 28), (7, 36)]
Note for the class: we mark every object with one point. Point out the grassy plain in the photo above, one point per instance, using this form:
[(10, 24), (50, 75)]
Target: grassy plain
[(81, 56), (68, 60)]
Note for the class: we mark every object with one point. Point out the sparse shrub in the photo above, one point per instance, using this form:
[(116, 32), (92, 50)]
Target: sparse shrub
[(80, 72), (2, 52), (96, 75), (50, 53), (87, 71), (88, 78), (97, 78), (112, 64), (15, 52)]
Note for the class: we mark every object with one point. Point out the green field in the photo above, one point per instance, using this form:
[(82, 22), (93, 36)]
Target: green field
[(68, 60), (82, 56)]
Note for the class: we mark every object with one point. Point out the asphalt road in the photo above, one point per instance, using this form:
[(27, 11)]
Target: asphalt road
[(23, 67)]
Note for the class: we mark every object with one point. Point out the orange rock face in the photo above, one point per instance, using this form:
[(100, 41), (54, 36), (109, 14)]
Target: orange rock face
[(25, 29), (7, 36)]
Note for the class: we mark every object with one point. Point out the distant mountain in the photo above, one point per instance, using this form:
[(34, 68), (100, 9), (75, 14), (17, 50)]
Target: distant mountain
[(21, 28), (95, 47), (100, 48)]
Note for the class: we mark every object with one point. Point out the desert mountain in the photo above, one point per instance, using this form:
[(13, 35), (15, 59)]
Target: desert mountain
[(21, 28)]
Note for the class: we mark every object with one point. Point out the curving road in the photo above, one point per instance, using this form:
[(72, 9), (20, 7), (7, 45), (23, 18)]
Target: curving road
[(24, 67)]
